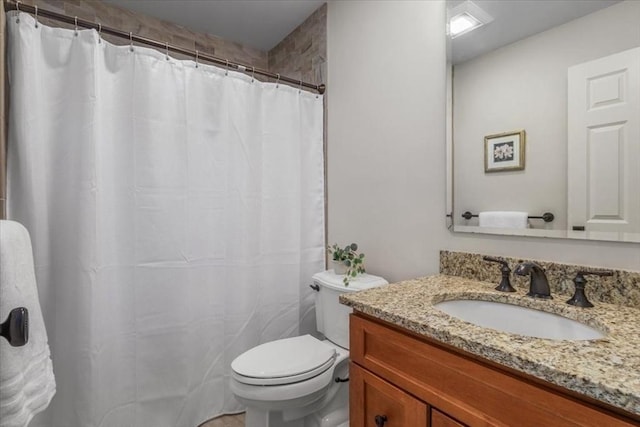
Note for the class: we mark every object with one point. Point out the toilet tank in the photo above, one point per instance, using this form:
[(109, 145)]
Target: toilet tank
[(332, 318)]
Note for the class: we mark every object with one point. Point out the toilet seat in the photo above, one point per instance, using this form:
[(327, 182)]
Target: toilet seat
[(293, 395), (284, 361)]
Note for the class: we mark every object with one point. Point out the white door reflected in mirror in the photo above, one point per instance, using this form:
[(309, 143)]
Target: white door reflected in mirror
[(604, 144)]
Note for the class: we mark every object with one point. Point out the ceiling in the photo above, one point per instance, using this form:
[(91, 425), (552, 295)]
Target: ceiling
[(261, 24), (517, 19)]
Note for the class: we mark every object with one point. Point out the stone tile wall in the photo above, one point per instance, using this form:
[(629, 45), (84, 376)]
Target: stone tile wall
[(303, 53), (300, 55), (623, 288), (146, 26)]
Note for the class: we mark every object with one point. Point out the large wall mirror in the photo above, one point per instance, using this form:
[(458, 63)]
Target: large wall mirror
[(545, 119)]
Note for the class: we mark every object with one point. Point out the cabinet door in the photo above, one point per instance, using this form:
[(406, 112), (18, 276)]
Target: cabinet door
[(438, 419), (376, 403)]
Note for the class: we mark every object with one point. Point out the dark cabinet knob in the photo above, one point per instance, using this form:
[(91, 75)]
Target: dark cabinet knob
[(380, 420)]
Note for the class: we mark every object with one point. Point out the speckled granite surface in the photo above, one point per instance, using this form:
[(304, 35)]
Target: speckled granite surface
[(623, 288), (607, 369)]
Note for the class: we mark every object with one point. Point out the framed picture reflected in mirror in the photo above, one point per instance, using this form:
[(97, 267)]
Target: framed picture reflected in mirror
[(504, 151)]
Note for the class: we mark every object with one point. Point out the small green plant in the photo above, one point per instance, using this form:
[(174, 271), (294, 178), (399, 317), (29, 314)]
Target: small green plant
[(349, 256)]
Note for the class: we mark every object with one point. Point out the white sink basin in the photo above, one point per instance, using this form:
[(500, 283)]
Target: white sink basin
[(518, 320)]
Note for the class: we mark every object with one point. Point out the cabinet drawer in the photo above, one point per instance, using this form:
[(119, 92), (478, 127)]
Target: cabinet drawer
[(438, 419), (375, 402), (474, 392)]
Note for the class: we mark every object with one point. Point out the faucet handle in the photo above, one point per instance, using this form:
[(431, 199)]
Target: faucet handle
[(579, 299), (505, 283), (594, 273), (498, 260)]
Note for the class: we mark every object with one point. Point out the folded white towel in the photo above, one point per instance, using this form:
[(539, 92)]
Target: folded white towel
[(27, 384), (503, 219)]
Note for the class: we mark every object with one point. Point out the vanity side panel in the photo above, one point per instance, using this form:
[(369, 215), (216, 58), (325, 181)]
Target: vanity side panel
[(472, 392)]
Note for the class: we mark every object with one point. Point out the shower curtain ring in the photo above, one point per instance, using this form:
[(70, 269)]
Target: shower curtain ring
[(18, 14), (166, 54), (253, 73), (99, 32), (130, 41), (300, 87), (196, 59), (75, 19), (226, 73), (36, 7), (278, 81)]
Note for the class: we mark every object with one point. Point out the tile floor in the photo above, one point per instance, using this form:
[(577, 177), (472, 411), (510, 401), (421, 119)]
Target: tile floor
[(226, 421)]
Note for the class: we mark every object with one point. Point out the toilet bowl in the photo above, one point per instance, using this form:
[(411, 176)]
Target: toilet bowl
[(288, 395), (302, 381)]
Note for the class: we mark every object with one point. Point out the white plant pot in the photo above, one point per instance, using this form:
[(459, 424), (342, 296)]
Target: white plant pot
[(339, 267)]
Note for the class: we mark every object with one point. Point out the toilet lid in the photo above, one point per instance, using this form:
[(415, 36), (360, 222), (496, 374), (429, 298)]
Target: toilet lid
[(284, 361)]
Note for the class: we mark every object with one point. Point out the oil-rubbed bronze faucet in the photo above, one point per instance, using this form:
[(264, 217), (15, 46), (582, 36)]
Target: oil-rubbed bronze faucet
[(505, 283), (539, 285)]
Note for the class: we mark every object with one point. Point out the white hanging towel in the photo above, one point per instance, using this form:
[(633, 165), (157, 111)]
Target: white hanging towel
[(27, 384), (503, 219)]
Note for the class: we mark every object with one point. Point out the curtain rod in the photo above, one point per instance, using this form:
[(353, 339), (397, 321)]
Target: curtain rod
[(34, 10)]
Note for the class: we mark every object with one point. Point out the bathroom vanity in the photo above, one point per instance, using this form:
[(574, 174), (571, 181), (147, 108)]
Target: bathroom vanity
[(414, 365)]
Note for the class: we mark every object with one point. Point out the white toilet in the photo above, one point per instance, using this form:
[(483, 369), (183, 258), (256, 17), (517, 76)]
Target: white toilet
[(301, 381)]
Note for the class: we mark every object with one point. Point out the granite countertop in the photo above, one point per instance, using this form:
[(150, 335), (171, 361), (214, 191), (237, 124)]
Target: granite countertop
[(606, 369)]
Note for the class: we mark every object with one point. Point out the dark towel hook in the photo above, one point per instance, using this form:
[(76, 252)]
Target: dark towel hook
[(16, 328)]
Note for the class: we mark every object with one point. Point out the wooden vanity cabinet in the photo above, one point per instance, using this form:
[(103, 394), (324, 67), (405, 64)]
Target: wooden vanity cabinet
[(376, 403), (374, 398), (415, 381), (438, 419)]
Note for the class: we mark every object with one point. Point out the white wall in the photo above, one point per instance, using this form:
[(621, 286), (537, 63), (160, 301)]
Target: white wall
[(524, 86), (385, 149), (386, 146)]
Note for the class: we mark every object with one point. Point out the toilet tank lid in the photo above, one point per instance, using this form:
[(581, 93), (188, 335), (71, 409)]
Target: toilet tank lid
[(335, 281)]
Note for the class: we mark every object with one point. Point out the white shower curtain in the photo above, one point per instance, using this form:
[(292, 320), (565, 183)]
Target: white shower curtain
[(177, 215)]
